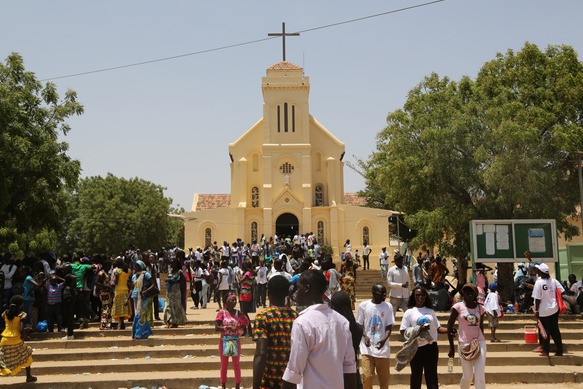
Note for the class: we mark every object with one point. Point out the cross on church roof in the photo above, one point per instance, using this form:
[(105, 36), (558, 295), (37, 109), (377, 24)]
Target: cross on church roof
[(283, 34)]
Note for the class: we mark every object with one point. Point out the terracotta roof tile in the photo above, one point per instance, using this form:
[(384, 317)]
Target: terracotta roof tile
[(284, 65), (212, 201), (354, 199)]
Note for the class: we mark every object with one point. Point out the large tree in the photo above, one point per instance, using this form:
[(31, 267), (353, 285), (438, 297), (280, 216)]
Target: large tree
[(108, 214), (35, 170), (502, 146)]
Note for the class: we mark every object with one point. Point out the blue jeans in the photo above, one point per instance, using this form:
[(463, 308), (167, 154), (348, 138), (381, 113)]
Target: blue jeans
[(384, 270)]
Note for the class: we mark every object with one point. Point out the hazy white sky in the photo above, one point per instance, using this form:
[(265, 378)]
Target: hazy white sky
[(170, 122)]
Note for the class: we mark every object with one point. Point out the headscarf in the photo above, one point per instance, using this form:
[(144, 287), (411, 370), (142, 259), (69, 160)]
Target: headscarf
[(231, 297)]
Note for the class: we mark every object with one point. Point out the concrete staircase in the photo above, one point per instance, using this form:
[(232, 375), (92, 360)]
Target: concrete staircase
[(187, 357)]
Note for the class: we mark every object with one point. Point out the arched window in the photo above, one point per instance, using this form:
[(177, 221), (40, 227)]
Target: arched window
[(285, 126), (208, 237), (253, 231), (321, 232), (255, 197), (365, 235), (319, 196)]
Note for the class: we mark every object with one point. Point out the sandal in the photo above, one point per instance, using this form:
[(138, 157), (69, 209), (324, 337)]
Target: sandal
[(538, 350), (495, 340), (543, 354)]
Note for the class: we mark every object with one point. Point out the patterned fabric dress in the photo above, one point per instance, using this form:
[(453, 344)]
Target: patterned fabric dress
[(174, 311), (348, 282), (14, 354), (120, 310), (274, 324), (106, 298), (141, 328)]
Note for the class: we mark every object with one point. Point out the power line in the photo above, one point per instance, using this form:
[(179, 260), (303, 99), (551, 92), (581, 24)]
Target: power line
[(238, 44)]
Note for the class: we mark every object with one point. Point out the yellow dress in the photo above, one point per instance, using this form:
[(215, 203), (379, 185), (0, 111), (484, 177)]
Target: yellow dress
[(120, 310), (14, 354)]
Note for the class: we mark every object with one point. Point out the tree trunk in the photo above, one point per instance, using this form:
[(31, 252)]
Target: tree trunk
[(506, 281)]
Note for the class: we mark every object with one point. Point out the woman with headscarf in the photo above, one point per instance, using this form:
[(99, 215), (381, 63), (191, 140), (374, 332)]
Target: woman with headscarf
[(471, 342), (230, 322), (142, 282), (174, 314), (348, 280)]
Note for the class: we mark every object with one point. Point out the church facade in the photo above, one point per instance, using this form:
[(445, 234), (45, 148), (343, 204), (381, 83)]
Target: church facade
[(287, 177)]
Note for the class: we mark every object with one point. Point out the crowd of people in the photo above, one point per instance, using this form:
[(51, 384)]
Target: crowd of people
[(293, 345)]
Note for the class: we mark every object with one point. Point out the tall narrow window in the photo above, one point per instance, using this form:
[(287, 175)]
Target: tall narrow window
[(293, 118), (285, 125), (319, 196), (254, 231), (208, 237), (255, 197), (255, 162), (365, 235), (278, 118), (321, 232)]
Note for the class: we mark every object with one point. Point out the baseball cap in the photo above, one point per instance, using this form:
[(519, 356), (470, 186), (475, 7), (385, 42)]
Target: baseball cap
[(543, 267)]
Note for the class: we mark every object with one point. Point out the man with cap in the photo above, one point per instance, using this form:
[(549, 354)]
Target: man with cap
[(398, 281), (546, 308), (384, 262)]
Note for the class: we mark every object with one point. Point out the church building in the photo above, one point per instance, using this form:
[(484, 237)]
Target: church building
[(287, 177)]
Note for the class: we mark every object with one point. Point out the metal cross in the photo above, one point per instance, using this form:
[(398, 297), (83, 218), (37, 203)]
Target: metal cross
[(283, 34)]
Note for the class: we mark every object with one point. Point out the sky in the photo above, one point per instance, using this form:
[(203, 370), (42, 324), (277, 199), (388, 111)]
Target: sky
[(170, 121)]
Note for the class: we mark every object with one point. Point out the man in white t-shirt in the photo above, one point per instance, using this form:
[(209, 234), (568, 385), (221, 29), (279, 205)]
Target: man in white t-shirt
[(377, 318), (384, 262), (261, 279), (224, 282)]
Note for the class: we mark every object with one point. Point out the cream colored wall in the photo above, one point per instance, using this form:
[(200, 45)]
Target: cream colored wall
[(316, 155)]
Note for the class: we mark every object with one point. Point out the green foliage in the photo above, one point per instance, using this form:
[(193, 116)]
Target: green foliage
[(35, 170), (502, 146), (110, 214), (326, 250)]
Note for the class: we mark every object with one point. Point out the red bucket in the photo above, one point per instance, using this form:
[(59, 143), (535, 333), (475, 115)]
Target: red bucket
[(530, 334)]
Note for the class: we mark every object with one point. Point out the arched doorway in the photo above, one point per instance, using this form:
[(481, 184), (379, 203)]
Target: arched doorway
[(287, 225)]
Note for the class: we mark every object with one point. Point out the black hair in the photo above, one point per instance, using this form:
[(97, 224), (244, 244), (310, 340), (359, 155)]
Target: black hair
[(316, 280), (428, 302), (16, 302), (341, 303), (278, 287)]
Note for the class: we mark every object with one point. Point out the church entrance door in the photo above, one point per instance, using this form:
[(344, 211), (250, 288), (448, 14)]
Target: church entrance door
[(287, 225)]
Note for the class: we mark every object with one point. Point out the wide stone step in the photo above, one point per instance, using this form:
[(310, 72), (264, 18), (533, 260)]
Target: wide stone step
[(212, 362), (188, 379)]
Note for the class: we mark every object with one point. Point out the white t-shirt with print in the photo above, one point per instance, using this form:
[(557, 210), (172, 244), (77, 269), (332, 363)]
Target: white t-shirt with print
[(375, 318)]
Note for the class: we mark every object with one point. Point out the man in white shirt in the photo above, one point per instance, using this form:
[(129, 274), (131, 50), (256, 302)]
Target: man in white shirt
[(322, 356), (398, 280), (261, 279), (376, 317), (384, 262)]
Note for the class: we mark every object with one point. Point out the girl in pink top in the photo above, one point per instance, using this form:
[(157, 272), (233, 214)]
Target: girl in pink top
[(470, 318), (230, 323)]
